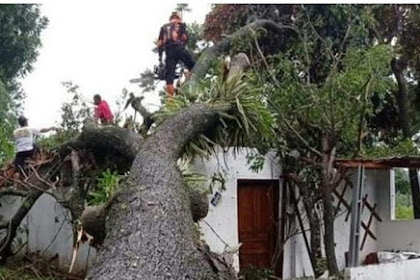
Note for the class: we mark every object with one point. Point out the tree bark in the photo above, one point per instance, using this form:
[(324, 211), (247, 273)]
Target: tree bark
[(108, 144), (309, 199), (314, 226), (328, 158), (398, 67), (150, 227), (124, 145)]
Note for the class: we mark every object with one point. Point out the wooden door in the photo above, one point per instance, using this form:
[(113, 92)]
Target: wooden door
[(258, 202)]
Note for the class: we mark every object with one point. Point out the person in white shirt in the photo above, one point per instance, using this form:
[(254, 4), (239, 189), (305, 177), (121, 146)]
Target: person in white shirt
[(24, 140)]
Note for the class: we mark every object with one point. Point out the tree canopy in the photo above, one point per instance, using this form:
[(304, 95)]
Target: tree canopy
[(20, 29)]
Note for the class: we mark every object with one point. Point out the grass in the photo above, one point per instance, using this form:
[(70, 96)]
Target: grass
[(26, 272), (30, 272)]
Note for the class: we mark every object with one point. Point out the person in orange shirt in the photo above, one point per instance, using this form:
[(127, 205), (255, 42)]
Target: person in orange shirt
[(173, 37)]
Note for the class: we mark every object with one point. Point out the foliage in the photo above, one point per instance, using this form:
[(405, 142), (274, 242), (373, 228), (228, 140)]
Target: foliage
[(195, 43), (21, 26), (401, 147), (53, 141), (247, 124), (182, 8), (253, 273), (75, 112), (319, 85), (225, 19), (23, 273), (255, 161), (402, 183), (73, 115), (108, 184), (7, 124), (401, 24), (334, 105), (403, 212), (403, 198), (205, 183)]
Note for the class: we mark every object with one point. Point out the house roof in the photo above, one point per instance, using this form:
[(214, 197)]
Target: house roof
[(382, 163)]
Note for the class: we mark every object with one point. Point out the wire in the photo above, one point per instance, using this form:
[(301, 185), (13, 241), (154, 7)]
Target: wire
[(218, 236)]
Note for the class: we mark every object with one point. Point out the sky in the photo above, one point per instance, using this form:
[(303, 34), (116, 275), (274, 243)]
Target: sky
[(99, 46)]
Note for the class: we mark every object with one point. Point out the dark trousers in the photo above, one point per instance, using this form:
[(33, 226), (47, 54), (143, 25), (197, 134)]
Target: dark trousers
[(20, 159), (174, 54)]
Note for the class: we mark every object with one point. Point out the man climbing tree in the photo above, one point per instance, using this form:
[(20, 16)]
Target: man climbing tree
[(173, 37), (24, 138)]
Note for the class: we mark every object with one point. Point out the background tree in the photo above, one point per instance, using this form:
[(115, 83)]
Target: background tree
[(20, 29), (319, 74), (400, 24)]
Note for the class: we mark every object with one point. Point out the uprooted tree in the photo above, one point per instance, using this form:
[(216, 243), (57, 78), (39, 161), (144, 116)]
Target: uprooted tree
[(146, 229), (319, 82)]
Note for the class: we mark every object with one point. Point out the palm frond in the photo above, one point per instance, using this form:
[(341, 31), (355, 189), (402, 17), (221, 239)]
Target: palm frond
[(248, 122)]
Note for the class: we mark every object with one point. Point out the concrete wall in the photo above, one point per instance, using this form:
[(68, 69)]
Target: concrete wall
[(296, 260), (407, 270), (220, 227), (47, 231), (396, 235)]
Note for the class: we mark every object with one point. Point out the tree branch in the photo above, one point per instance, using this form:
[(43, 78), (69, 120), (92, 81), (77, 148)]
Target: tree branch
[(14, 223), (105, 139), (12, 191), (209, 55)]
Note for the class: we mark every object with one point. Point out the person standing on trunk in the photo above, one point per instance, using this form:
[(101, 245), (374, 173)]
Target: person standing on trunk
[(173, 37), (102, 111), (24, 140)]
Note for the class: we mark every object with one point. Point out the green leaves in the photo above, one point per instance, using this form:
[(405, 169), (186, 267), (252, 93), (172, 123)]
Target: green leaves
[(7, 125), (21, 26), (336, 105), (108, 184), (20, 29), (248, 122)]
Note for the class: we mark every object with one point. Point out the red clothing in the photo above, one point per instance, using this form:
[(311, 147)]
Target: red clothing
[(103, 112)]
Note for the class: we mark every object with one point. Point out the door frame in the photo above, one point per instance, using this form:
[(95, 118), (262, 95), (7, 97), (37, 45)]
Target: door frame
[(279, 228)]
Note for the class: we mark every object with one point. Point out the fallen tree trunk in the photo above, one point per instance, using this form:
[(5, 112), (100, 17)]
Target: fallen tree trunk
[(151, 234), (150, 229), (115, 141)]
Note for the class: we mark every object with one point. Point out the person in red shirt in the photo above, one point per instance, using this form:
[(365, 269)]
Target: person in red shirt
[(102, 111)]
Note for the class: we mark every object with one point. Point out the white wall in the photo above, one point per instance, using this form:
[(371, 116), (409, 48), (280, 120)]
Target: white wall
[(407, 270), (223, 218), (396, 235), (48, 231)]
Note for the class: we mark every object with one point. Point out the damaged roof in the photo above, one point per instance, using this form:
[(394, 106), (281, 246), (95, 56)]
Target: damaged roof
[(382, 163)]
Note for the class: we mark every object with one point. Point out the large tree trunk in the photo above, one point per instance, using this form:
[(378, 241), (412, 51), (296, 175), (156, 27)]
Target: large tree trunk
[(398, 67), (309, 199), (328, 157), (315, 228), (151, 234)]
